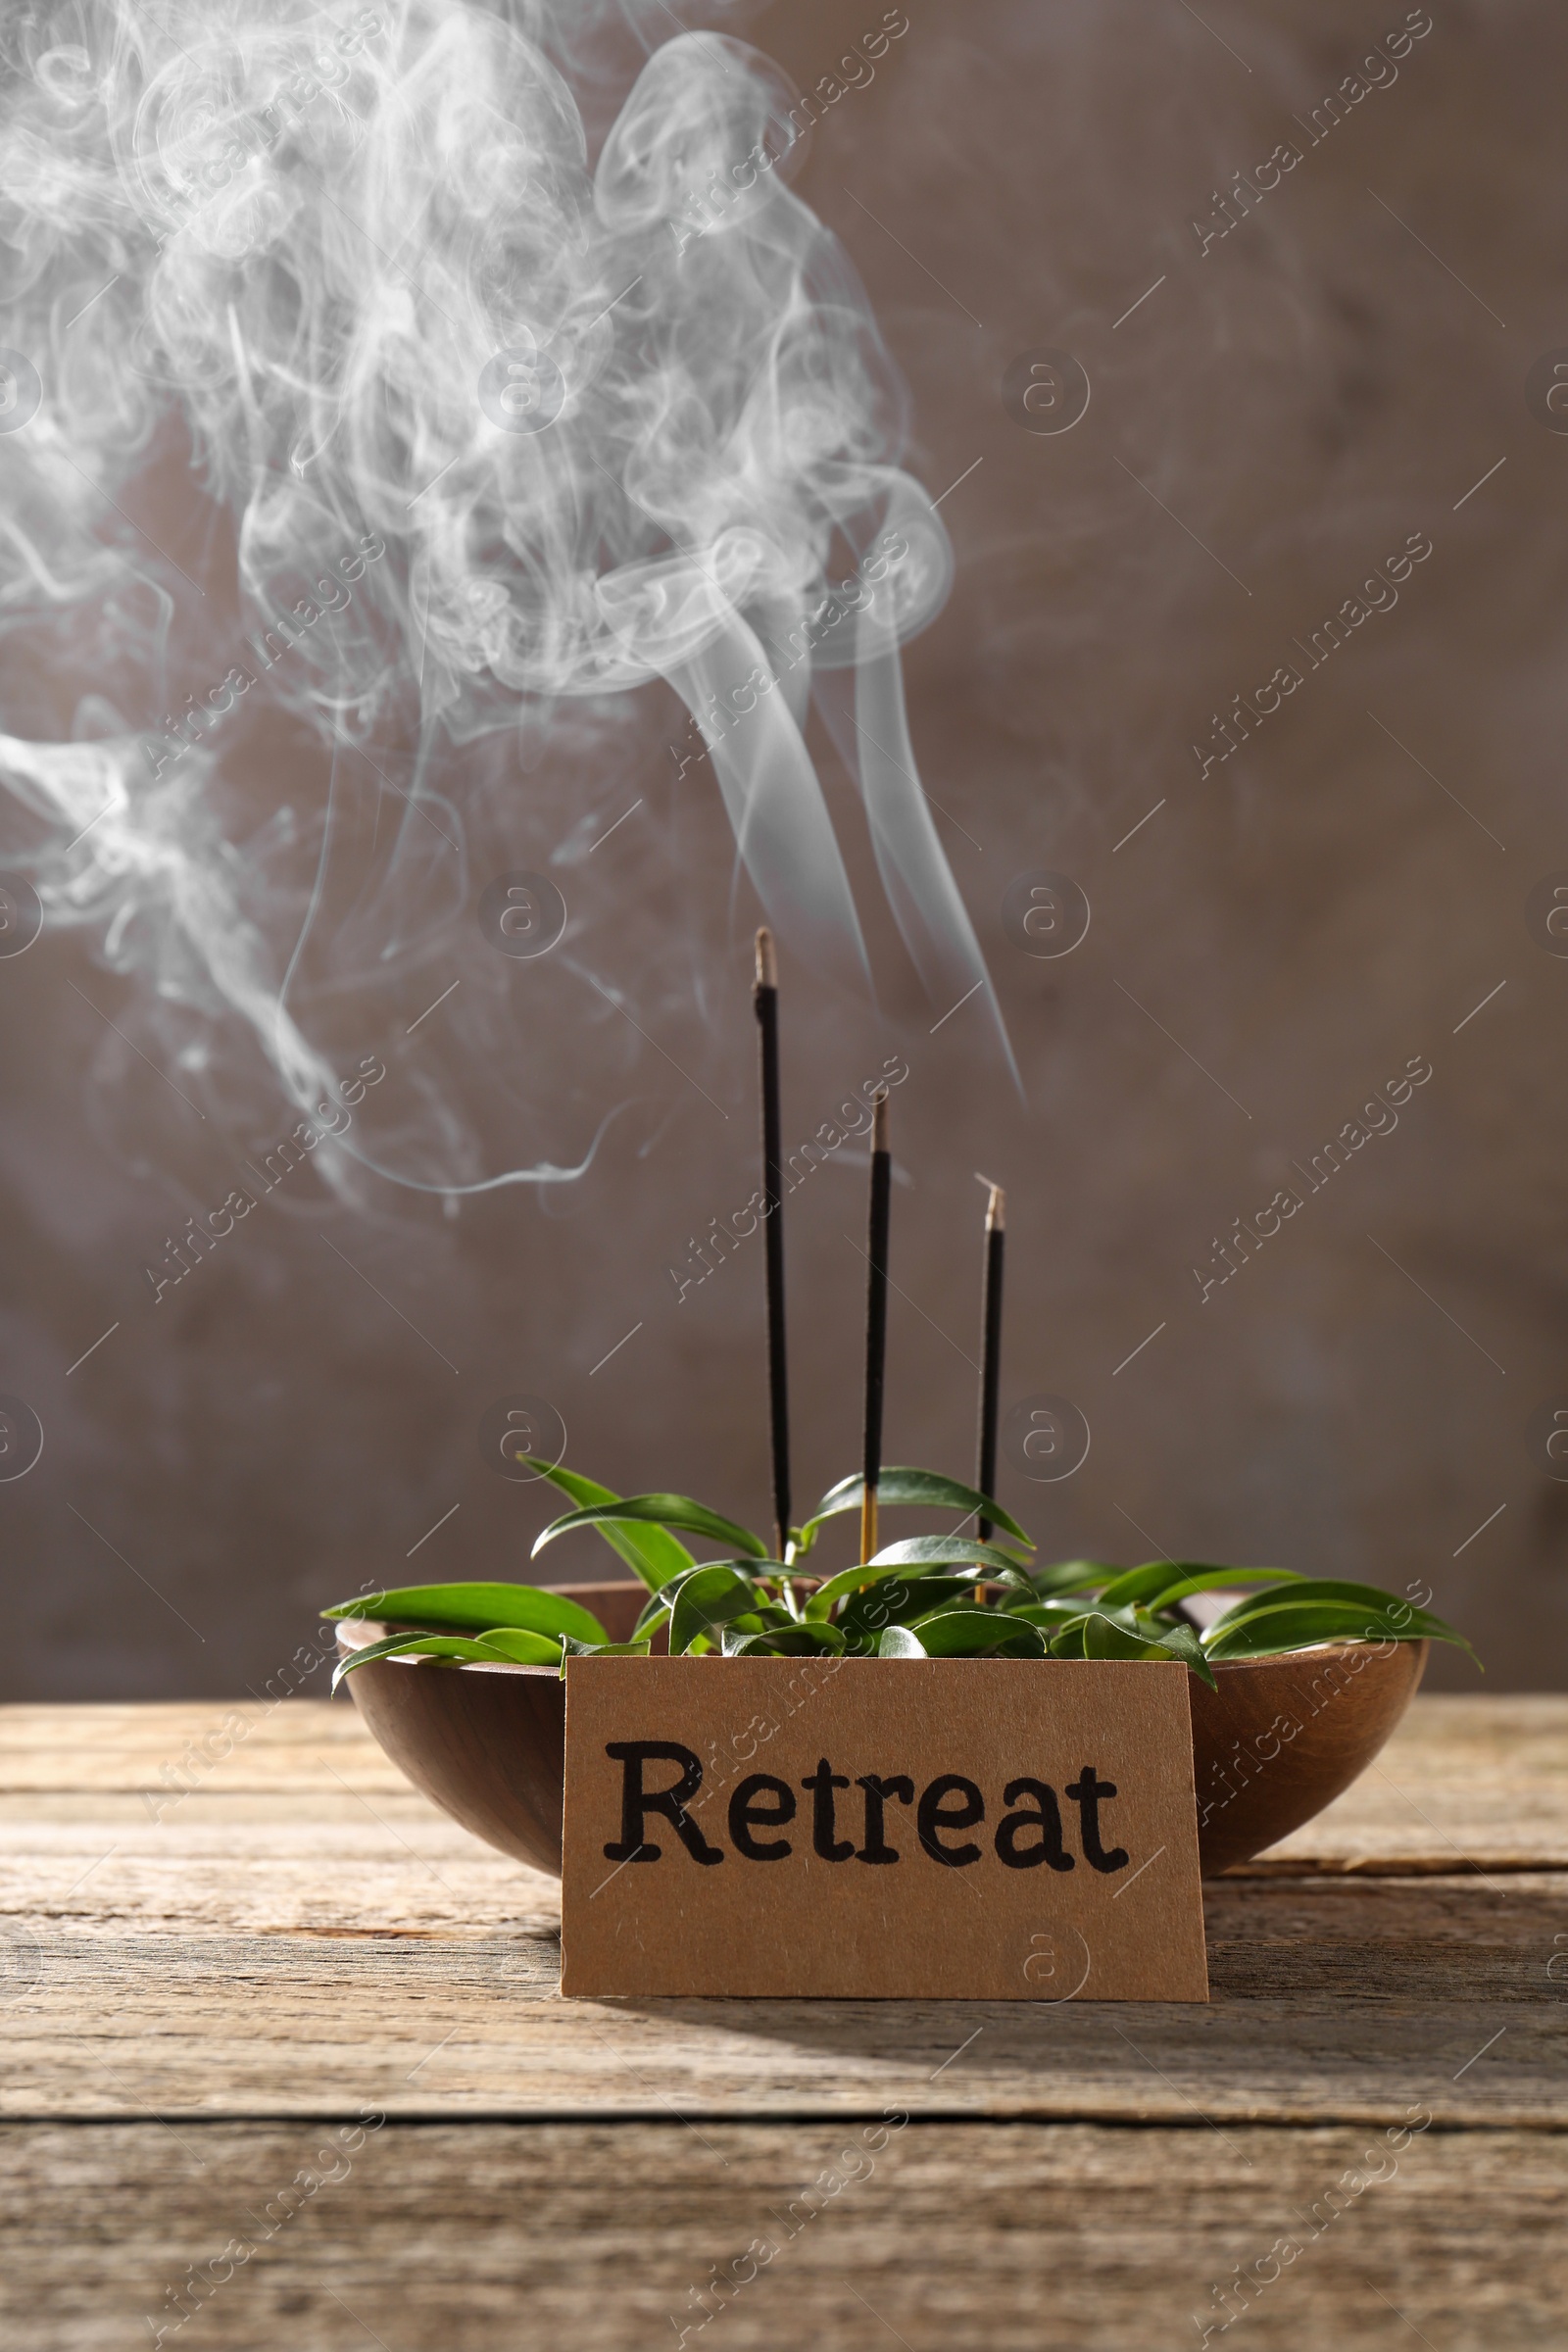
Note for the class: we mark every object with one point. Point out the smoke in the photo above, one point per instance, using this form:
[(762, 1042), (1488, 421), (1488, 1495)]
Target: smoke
[(365, 456)]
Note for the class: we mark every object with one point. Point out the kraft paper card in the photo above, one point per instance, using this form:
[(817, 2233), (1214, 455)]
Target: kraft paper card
[(865, 1828)]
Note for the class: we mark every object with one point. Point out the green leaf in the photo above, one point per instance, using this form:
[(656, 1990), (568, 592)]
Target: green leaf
[(1069, 1576), (1053, 1613), (1331, 1589), (784, 1641), (658, 1608), (519, 1648), (915, 1490), (600, 1650), (1282, 1626), (938, 1551), (1162, 1582), (820, 1603), (1078, 1612), (660, 1510), (475, 1608), (1103, 1637), (651, 1552), (712, 1598), (899, 1559), (757, 1621), (976, 1633), (898, 1643), (664, 1596), (542, 1652), (1097, 1636), (899, 1599), (1181, 1641)]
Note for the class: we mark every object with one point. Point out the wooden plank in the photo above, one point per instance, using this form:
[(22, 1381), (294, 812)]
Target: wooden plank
[(311, 1861), (286, 1930), (306, 1827), (238, 1746), (598, 2238), (1464, 1783), (1342, 1998)]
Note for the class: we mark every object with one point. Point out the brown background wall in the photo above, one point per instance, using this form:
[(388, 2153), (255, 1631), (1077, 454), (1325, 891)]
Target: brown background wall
[(1282, 936)]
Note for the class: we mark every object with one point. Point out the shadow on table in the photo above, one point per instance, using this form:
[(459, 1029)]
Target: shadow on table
[(1298, 1960)]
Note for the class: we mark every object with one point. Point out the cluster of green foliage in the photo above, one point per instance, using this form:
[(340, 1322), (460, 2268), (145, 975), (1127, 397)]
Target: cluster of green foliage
[(928, 1596)]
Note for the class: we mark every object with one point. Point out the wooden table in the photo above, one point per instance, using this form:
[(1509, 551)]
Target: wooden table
[(267, 2018)]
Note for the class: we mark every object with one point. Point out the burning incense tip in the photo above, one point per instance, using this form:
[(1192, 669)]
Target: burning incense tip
[(766, 960), (879, 1120), (996, 1206)]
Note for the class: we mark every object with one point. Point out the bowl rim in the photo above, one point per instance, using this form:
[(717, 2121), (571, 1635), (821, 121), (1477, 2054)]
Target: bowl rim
[(385, 1625), (381, 1626)]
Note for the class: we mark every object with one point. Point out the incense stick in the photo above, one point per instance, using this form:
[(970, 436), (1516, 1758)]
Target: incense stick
[(876, 1321), (764, 997), (991, 1346)]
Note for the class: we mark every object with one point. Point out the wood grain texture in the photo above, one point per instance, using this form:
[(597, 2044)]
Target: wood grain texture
[(590, 2238), (319, 1862), (205, 1974), (1463, 1782), (239, 1743), (1338, 1998)]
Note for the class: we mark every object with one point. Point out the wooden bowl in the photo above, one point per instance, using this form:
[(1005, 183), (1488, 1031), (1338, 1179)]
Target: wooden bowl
[(1278, 1741), (486, 1743), (1282, 1738)]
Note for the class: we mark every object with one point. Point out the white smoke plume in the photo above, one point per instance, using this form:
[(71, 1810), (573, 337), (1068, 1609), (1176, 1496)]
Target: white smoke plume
[(485, 439)]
